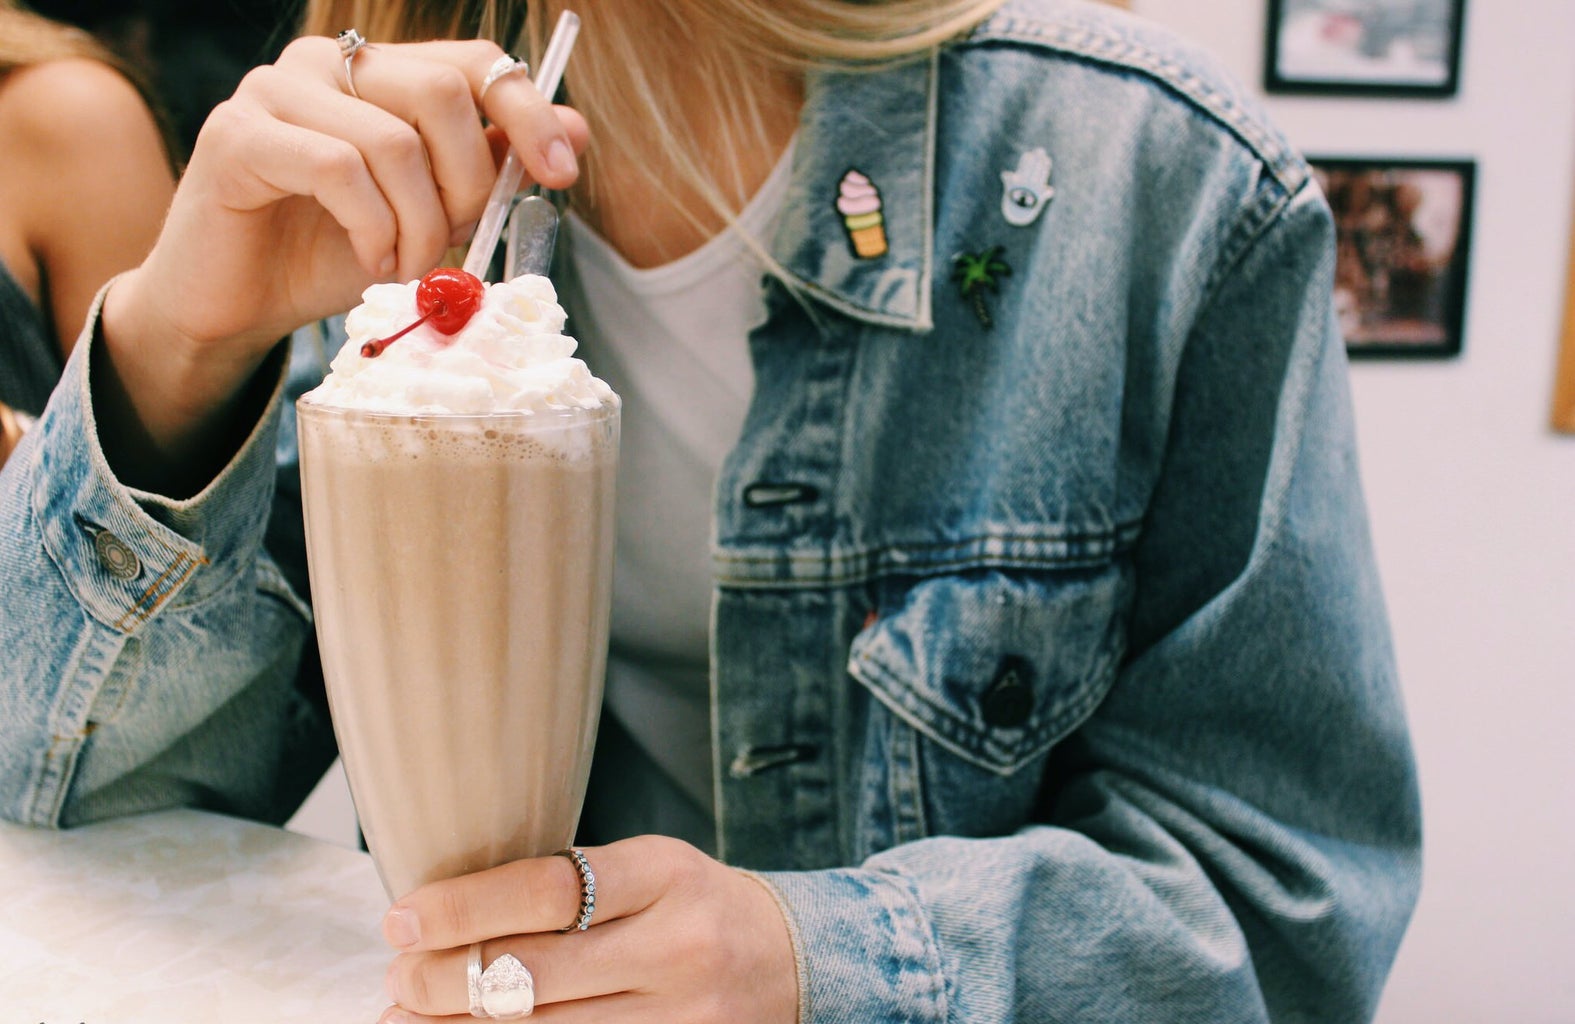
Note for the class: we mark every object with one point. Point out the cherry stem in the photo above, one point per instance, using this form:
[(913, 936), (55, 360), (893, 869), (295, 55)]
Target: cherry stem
[(376, 346)]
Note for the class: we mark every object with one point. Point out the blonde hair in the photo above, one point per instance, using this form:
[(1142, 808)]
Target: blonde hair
[(641, 114), (27, 38)]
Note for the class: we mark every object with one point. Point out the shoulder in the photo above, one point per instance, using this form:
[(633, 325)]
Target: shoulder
[(1115, 59), (76, 132), (84, 182), (71, 107)]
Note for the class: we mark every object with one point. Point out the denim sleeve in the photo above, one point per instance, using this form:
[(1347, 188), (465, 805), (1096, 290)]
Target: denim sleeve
[(1233, 835), (152, 646)]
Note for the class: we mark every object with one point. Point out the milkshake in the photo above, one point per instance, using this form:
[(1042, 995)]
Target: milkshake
[(458, 491)]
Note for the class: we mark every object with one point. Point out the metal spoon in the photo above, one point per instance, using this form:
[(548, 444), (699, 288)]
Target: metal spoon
[(548, 75), (533, 231)]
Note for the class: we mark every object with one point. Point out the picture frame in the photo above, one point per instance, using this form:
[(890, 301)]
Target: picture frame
[(1403, 251), (1564, 388), (1399, 48)]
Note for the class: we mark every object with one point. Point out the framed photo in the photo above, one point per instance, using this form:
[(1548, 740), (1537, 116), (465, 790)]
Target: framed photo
[(1403, 242), (1364, 47)]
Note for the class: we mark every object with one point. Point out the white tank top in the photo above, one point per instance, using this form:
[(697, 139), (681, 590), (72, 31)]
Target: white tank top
[(672, 341)]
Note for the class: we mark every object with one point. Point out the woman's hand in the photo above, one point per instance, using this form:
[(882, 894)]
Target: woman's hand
[(299, 195), (676, 936)]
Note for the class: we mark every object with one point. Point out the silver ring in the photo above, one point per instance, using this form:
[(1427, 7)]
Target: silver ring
[(350, 44), (473, 980), (582, 919), (507, 64), (504, 991)]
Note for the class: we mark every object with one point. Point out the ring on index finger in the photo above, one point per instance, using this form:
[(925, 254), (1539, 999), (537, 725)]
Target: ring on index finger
[(505, 65), (350, 44)]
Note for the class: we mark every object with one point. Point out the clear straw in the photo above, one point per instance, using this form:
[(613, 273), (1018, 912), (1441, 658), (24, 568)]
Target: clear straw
[(548, 74)]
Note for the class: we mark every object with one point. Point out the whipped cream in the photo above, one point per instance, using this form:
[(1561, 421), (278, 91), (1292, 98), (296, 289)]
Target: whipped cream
[(511, 357)]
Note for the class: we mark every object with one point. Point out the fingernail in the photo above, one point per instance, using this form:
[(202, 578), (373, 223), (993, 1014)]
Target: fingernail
[(401, 928), (560, 159), (462, 234), (388, 265), (394, 1017), (388, 985)]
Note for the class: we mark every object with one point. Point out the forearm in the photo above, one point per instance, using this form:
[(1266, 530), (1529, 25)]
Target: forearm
[(141, 632), (1044, 926), (172, 410), (1137, 910), (1220, 843)]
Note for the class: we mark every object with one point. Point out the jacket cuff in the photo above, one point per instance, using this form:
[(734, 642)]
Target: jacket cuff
[(126, 554), (864, 946)]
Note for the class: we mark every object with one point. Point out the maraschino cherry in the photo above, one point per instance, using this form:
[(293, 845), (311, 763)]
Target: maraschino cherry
[(446, 297)]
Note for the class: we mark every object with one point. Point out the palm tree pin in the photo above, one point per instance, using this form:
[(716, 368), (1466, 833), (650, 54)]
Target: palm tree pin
[(976, 272)]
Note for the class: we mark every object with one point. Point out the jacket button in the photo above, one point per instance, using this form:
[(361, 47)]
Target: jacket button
[(117, 559), (1009, 700)]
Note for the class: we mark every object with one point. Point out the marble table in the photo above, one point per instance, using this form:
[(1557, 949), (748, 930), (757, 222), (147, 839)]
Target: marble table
[(185, 917)]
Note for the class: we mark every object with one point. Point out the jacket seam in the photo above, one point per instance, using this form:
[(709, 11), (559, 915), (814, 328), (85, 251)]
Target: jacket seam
[(924, 319), (1272, 209), (1115, 537), (851, 578), (905, 787), (153, 598), (1131, 55), (1085, 550), (935, 961), (57, 766), (57, 770)]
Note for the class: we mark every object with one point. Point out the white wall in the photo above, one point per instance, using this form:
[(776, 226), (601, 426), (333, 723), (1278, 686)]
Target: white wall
[(1469, 492)]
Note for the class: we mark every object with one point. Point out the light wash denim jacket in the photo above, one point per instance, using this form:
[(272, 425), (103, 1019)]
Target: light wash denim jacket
[(1052, 680)]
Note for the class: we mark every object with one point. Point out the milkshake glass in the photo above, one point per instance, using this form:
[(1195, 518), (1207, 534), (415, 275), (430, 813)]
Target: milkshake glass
[(459, 523)]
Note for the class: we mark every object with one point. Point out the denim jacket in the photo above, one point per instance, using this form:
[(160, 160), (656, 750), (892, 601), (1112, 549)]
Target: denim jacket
[(1051, 675)]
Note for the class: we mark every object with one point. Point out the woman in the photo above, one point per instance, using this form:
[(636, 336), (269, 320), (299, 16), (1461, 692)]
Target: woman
[(1050, 679), (68, 110)]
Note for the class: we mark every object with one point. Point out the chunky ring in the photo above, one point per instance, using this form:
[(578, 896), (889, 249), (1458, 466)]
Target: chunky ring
[(507, 64), (504, 991), (350, 44), (582, 920)]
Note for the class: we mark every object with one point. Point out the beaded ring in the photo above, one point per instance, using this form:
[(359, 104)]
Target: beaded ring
[(582, 920)]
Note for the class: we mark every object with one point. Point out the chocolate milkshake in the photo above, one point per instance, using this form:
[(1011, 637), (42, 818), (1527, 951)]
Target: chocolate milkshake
[(458, 491)]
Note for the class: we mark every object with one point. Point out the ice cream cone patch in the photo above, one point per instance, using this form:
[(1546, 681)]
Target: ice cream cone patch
[(858, 201)]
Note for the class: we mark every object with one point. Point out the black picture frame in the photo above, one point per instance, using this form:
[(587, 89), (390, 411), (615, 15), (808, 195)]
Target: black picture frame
[(1403, 252), (1397, 48)]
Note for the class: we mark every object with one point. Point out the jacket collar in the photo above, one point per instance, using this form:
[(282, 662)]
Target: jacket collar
[(881, 127)]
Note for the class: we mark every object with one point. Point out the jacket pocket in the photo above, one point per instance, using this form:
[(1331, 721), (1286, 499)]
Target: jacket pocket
[(978, 676)]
